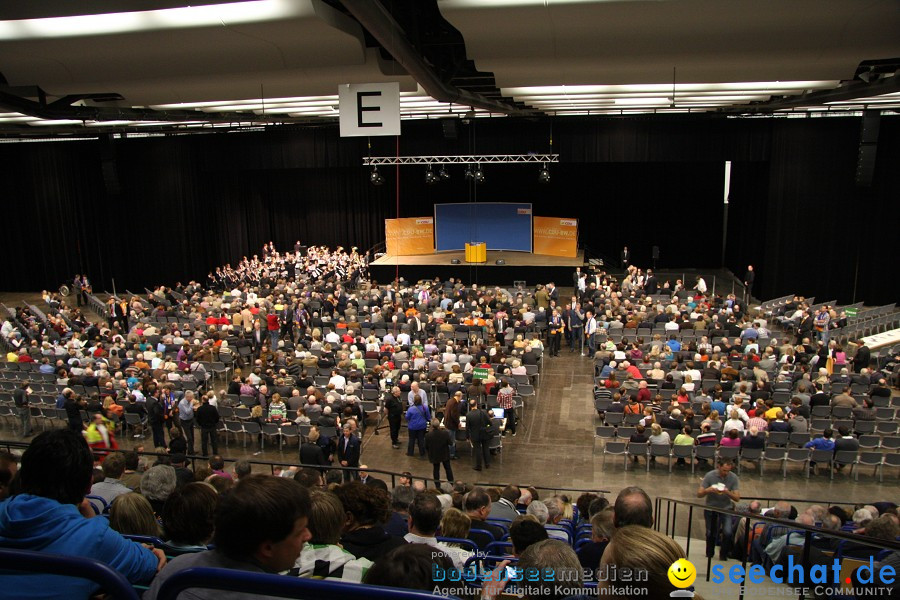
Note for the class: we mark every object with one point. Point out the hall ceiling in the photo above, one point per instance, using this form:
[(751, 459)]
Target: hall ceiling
[(160, 64)]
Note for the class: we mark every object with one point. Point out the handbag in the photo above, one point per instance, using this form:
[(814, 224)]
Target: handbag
[(427, 417)]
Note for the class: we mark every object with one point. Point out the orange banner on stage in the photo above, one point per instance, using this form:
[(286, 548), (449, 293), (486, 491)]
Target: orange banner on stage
[(556, 237), (406, 237)]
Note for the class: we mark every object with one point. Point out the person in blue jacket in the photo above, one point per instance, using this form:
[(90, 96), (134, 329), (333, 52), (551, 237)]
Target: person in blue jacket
[(417, 418), (48, 513)]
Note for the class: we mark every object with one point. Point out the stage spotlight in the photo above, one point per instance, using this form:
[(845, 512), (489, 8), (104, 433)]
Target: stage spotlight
[(544, 174), (479, 174), (469, 173), (375, 177), (443, 173), (430, 177)]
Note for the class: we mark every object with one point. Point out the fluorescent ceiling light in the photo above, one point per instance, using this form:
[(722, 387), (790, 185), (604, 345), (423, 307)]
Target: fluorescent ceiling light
[(49, 122), (211, 15), (52, 139), (187, 105), (642, 101), (19, 119), (767, 87)]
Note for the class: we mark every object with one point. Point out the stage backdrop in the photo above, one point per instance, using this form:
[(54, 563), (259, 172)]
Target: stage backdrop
[(556, 237), (501, 225), (406, 237)]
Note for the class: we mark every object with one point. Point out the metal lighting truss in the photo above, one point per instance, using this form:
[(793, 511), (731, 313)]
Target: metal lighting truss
[(461, 159)]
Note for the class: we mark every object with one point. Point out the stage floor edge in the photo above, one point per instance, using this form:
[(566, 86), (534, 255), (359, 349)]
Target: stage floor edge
[(513, 259), (520, 266)]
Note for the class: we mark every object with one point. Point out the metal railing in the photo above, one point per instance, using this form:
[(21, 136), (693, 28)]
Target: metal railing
[(672, 505), (9, 445)]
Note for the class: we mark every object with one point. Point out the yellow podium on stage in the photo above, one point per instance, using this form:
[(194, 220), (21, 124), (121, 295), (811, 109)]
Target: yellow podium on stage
[(476, 252)]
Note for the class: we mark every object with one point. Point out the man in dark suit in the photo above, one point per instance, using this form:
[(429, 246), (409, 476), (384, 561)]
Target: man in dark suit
[(651, 286), (749, 276), (625, 257), (437, 446), (845, 443), (367, 479), (257, 337), (477, 423), (805, 328), (553, 292), (500, 325), (415, 326), (348, 450), (862, 358), (576, 276)]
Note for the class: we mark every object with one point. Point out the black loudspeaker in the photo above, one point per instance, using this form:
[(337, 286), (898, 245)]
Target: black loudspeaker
[(500, 261), (454, 261), (868, 148), (449, 126), (655, 252)]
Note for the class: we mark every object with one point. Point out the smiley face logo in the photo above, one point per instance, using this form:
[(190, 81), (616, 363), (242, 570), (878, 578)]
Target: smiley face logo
[(682, 573)]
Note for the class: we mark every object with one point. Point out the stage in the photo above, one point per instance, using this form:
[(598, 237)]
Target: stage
[(520, 266)]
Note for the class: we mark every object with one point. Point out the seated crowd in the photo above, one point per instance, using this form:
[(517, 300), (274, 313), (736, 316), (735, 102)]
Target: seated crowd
[(297, 524), (285, 320), (717, 377), (303, 346)]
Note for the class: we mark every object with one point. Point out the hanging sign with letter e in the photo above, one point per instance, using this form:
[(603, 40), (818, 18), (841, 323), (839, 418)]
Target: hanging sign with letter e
[(369, 109)]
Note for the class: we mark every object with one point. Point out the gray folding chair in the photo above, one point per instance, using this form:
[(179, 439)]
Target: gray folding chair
[(660, 451), (843, 458), (636, 450), (869, 459), (753, 454), (818, 458), (615, 449), (797, 455), (773, 455), (683, 451)]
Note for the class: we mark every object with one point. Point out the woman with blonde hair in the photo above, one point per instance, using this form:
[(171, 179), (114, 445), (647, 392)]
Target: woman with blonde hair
[(658, 436), (642, 550), (132, 514), (713, 421), (567, 510), (455, 524)]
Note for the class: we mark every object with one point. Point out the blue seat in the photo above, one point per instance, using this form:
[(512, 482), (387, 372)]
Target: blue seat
[(278, 585), (110, 580)]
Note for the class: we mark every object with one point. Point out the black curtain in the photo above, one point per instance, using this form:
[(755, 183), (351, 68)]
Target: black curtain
[(159, 210)]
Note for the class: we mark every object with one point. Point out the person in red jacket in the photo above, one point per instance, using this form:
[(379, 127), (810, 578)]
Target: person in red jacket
[(273, 326)]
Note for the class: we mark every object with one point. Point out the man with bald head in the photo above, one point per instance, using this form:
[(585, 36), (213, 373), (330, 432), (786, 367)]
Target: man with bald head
[(414, 391), (633, 507)]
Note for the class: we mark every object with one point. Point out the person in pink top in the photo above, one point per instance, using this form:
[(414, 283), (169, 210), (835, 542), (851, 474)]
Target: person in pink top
[(732, 438)]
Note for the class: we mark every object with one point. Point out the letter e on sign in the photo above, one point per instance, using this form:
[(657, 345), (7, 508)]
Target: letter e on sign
[(369, 109)]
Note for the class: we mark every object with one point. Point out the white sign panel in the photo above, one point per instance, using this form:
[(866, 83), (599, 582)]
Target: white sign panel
[(369, 109)]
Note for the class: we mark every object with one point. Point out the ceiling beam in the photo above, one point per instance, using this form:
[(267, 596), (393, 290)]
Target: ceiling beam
[(375, 18), (851, 90)]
